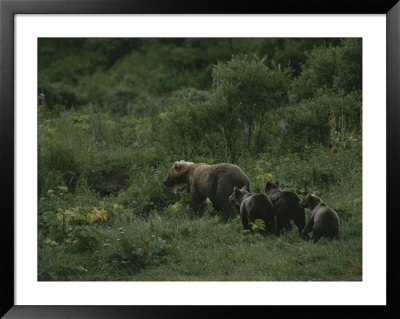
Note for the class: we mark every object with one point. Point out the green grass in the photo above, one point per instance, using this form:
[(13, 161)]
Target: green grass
[(208, 249), (111, 125)]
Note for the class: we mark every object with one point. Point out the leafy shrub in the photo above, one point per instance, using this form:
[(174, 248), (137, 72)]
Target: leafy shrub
[(185, 129), (243, 90), (57, 165), (337, 67), (146, 191), (348, 75), (140, 253), (82, 237), (60, 96), (106, 171), (316, 120), (257, 226), (114, 114)]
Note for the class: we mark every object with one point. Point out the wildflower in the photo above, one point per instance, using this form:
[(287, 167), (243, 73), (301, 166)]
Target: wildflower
[(281, 108), (97, 215), (246, 130), (42, 99), (283, 127), (50, 242), (290, 97), (65, 113), (148, 100), (129, 106), (103, 143)]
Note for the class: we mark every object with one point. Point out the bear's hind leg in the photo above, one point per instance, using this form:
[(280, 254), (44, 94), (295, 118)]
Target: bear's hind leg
[(280, 224)]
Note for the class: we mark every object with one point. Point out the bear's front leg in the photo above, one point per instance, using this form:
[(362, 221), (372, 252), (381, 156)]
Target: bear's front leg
[(198, 201), (198, 209), (244, 218), (198, 204)]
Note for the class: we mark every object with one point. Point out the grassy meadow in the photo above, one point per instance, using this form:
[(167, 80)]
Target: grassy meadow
[(115, 114)]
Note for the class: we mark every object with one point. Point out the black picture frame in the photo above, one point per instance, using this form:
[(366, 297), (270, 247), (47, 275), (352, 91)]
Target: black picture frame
[(8, 9)]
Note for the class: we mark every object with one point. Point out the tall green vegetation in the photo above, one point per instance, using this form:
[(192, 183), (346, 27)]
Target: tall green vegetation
[(114, 114)]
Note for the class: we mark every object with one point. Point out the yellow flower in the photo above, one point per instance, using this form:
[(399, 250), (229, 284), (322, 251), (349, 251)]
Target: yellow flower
[(50, 242), (97, 215), (265, 176), (63, 188)]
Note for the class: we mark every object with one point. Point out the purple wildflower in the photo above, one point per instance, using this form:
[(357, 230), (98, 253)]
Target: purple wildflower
[(129, 106), (290, 97), (42, 98), (281, 108), (65, 113), (246, 130), (283, 127), (103, 143), (148, 100)]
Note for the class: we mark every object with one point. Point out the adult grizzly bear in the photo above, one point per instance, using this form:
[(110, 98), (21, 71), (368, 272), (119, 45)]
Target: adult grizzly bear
[(203, 181), (252, 207), (323, 220), (286, 207)]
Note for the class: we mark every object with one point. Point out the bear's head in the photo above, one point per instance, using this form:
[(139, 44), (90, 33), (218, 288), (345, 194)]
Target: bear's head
[(271, 188), (310, 201), (177, 174), (237, 196)]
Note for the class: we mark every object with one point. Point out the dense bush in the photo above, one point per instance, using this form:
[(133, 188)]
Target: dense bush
[(115, 114), (326, 118), (337, 67), (244, 89)]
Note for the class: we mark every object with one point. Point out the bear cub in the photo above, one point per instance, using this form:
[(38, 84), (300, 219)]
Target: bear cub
[(287, 207), (252, 207), (323, 220)]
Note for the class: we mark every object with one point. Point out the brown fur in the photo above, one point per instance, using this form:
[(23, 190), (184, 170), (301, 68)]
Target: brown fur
[(215, 182), (286, 207), (252, 207), (323, 220)]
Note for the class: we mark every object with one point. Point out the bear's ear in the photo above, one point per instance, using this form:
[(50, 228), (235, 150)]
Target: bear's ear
[(237, 190), (177, 165), (244, 187)]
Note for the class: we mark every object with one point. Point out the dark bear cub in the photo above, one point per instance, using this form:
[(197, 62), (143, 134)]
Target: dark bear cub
[(323, 220), (252, 207), (287, 207)]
